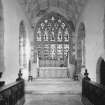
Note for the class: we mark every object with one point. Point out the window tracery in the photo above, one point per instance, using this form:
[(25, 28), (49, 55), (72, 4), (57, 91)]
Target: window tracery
[(59, 34), (66, 35), (39, 34), (54, 34), (60, 50), (45, 38), (66, 49), (53, 51)]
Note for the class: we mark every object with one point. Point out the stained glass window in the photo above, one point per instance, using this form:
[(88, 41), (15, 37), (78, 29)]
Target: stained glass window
[(60, 50), (66, 35), (63, 25), (45, 35), (46, 50), (59, 34), (53, 33), (53, 28), (66, 49), (52, 36), (56, 25), (42, 25), (52, 18), (46, 21), (39, 34), (59, 20), (52, 51)]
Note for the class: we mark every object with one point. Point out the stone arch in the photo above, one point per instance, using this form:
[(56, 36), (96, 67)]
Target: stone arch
[(1, 38), (98, 69), (22, 45), (81, 47)]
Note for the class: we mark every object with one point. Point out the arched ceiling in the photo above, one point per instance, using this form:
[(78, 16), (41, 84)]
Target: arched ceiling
[(34, 9)]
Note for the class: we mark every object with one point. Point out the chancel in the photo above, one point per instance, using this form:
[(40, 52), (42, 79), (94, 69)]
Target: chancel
[(52, 52)]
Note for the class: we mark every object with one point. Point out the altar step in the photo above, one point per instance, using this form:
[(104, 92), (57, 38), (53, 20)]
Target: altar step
[(50, 81), (53, 86), (53, 72)]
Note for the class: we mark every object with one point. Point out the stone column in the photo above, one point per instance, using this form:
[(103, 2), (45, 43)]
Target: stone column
[(71, 68)]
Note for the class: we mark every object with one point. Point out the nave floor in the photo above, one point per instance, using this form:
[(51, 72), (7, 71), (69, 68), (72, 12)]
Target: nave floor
[(53, 99), (46, 86), (53, 92)]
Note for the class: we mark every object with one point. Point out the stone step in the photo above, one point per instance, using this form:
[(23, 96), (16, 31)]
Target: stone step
[(49, 86), (51, 81)]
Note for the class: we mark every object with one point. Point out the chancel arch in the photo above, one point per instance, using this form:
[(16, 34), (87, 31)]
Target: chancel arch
[(22, 46), (81, 47)]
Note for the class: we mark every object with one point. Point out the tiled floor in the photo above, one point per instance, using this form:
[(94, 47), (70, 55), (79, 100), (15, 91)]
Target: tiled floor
[(53, 99)]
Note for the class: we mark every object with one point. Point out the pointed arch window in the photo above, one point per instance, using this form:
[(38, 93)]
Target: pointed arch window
[(54, 34)]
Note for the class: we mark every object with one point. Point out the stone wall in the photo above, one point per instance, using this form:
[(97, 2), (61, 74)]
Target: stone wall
[(93, 18), (13, 15)]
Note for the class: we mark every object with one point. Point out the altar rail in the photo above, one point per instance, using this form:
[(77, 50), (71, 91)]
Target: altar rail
[(92, 93), (12, 94)]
